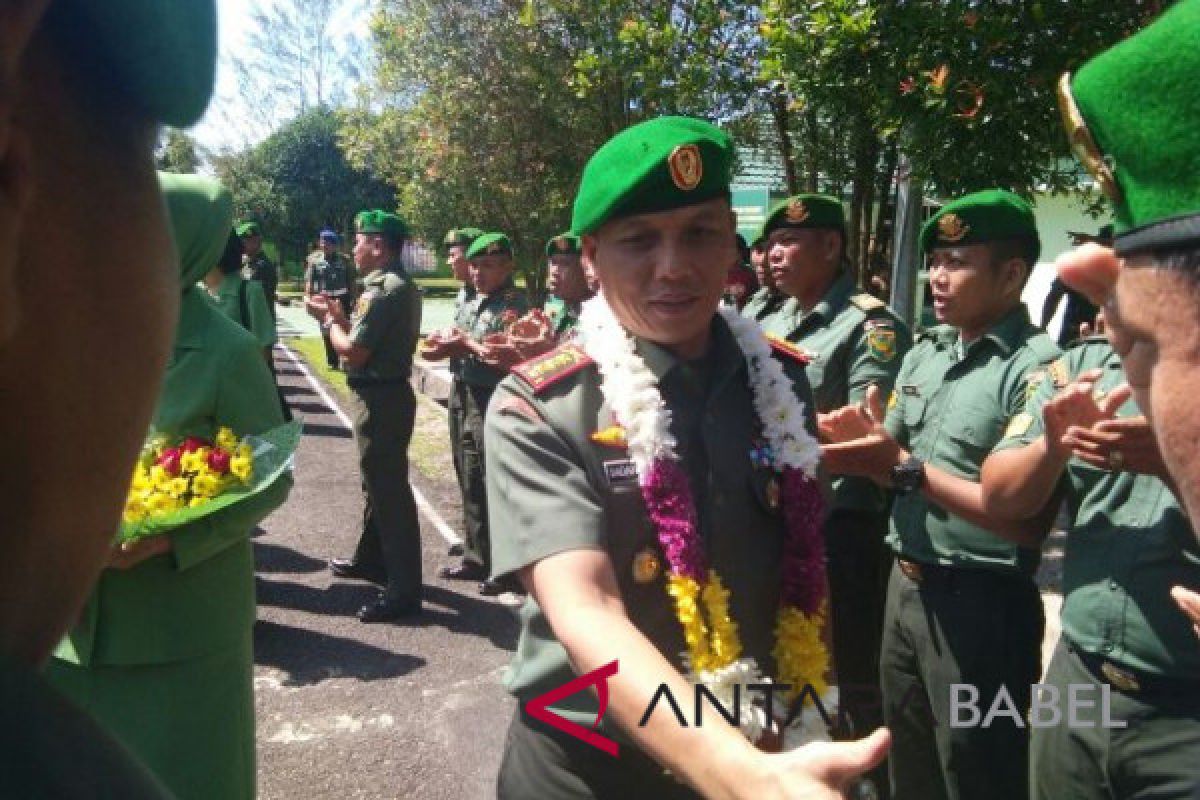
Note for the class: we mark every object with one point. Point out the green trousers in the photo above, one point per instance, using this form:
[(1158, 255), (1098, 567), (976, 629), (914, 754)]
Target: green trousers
[(391, 534), (958, 627), (456, 406), (1155, 757), (477, 547)]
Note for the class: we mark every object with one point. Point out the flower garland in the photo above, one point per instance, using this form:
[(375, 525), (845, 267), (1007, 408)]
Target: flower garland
[(714, 650)]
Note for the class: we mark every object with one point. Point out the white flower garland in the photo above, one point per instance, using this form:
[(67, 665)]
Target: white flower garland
[(637, 404)]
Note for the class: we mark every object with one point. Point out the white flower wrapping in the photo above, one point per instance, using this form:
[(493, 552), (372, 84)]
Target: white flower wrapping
[(632, 393)]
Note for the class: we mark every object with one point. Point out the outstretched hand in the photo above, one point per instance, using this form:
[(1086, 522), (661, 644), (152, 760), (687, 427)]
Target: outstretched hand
[(821, 771), (859, 442)]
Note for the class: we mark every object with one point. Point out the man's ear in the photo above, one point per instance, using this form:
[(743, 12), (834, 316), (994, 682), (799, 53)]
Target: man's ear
[(1016, 272), (19, 20)]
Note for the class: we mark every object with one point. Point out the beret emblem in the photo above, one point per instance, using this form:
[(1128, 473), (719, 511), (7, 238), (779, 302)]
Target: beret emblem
[(562, 245), (1083, 144), (951, 228), (797, 211), (687, 167)]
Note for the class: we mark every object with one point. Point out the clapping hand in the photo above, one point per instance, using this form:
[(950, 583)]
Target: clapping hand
[(860, 444), (317, 306), (532, 334)]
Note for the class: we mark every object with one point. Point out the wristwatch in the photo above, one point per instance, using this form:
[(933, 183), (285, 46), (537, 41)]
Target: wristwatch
[(908, 475)]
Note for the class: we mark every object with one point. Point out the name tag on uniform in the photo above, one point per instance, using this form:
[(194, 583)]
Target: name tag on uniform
[(910, 390), (621, 473)]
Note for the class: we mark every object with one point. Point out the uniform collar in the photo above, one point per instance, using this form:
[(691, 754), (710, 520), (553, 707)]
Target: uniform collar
[(836, 298), (723, 352), (1008, 333), (500, 291)]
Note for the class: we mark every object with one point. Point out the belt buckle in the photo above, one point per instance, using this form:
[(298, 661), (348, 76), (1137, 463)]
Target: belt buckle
[(1120, 678), (911, 570)]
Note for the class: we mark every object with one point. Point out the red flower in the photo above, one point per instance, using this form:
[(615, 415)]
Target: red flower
[(908, 85), (218, 461), (170, 461), (193, 443)]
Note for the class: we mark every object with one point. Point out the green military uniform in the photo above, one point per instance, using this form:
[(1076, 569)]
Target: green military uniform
[(974, 615), (162, 652), (387, 322), (334, 278), (259, 267), (562, 315), (852, 340), (764, 303), (245, 302), (549, 490), (489, 313), (1128, 543), (456, 403), (962, 606)]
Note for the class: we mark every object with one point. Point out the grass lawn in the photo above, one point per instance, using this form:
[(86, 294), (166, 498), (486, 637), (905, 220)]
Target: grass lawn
[(312, 350)]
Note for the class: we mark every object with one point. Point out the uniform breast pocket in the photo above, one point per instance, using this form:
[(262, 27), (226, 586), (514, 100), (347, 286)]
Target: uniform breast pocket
[(973, 432)]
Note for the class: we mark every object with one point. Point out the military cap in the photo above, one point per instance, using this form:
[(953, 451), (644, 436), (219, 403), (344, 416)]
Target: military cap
[(657, 165), (992, 215), (489, 244), (381, 222), (819, 211), (164, 52), (461, 237), (1130, 118), (565, 244), (249, 229)]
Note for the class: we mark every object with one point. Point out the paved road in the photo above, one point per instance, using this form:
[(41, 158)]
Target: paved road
[(347, 710)]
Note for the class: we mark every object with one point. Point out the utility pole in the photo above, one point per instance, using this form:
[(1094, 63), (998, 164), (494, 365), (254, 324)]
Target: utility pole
[(907, 230)]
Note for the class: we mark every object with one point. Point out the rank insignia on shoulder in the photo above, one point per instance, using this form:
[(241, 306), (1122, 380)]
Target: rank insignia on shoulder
[(612, 436), (1058, 373), (364, 304), (552, 367), (868, 302), (881, 342), (788, 350)]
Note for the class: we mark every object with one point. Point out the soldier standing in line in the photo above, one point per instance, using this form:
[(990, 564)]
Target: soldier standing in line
[(852, 341), (255, 264), (1128, 543), (377, 346), (768, 299), (497, 305), (329, 275), (962, 606)]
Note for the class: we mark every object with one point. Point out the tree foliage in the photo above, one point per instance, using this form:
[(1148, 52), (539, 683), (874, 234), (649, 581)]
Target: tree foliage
[(298, 180), (176, 152)]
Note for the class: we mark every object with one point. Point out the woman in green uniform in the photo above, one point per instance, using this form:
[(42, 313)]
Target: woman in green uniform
[(162, 654), (243, 301)]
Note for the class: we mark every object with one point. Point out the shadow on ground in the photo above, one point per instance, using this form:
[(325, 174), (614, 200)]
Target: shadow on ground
[(309, 657), (277, 558)]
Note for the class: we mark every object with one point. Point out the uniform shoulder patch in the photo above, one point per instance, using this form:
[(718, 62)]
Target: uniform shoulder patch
[(866, 302), (881, 342), (788, 350), (546, 370), (1059, 374)]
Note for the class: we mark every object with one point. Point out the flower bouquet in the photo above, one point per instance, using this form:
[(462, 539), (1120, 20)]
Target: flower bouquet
[(180, 480)]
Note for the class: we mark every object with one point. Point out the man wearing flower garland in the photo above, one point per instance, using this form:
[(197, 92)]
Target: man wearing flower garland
[(655, 518), (962, 607), (852, 341), (85, 87), (498, 304)]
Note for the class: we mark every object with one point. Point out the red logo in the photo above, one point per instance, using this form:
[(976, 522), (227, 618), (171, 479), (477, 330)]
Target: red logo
[(538, 707)]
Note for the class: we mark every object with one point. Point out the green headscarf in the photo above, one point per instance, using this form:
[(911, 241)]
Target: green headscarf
[(201, 212)]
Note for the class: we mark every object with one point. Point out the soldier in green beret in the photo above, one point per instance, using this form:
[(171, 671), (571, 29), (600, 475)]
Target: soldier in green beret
[(255, 264), (497, 306), (1128, 543), (852, 341), (962, 606), (566, 284), (576, 447), (377, 346), (163, 652), (456, 242), (86, 86), (768, 299)]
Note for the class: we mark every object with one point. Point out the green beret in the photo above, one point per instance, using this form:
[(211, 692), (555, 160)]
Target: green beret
[(565, 244), (381, 222), (992, 215), (249, 229), (805, 211), (1130, 118), (164, 52), (657, 165), (461, 237), (488, 244)]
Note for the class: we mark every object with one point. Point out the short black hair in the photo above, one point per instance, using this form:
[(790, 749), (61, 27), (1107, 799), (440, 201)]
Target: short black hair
[(1179, 259), (1026, 248), (231, 259)]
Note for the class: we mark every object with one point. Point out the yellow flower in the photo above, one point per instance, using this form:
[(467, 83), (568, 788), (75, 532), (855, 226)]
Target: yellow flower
[(686, 592), (162, 504), (197, 501), (242, 465), (226, 439), (177, 487), (206, 485), (196, 460), (141, 480), (800, 653), (135, 510), (726, 646)]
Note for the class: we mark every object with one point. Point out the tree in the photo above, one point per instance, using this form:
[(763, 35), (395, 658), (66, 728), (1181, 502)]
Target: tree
[(295, 60), (176, 152), (297, 181)]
